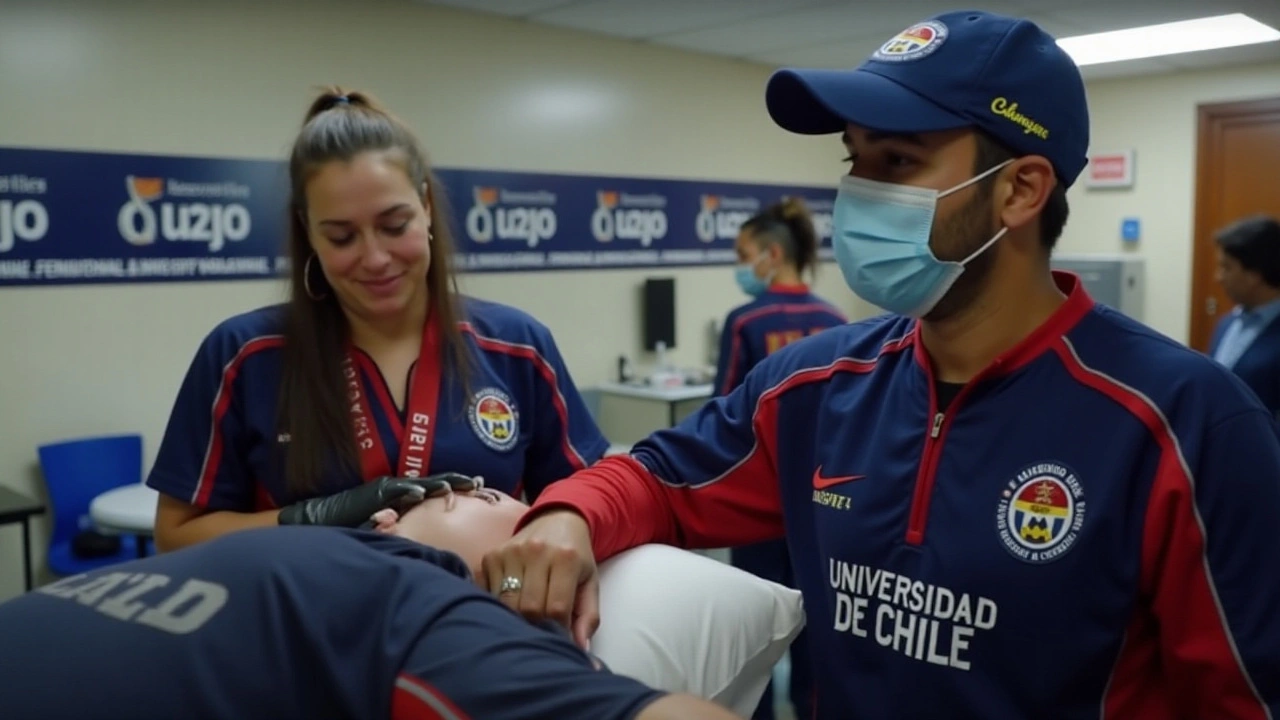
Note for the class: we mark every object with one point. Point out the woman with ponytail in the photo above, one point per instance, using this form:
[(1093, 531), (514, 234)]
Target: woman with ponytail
[(377, 382), (776, 248)]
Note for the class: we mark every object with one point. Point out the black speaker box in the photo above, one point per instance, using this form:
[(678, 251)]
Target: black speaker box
[(658, 307)]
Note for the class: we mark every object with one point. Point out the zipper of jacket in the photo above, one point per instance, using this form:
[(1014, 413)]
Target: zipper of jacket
[(939, 423)]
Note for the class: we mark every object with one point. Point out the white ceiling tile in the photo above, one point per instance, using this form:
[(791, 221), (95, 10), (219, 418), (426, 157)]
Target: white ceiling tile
[(1265, 11), (1129, 68), (1088, 16), (845, 54), (504, 7), (648, 18), (820, 25), (841, 33), (1057, 26), (1101, 15), (797, 29), (1262, 52)]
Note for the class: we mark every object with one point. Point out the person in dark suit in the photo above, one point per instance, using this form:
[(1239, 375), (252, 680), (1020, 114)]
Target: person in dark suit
[(1247, 339)]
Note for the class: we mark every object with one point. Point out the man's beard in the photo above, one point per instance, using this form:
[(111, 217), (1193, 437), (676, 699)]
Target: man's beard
[(963, 233)]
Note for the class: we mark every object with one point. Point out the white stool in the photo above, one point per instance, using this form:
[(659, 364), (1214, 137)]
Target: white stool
[(127, 510)]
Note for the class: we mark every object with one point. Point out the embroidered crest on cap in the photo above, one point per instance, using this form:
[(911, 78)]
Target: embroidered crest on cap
[(916, 42)]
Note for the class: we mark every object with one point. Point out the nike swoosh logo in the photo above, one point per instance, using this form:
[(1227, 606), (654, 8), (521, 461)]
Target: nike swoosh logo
[(822, 483)]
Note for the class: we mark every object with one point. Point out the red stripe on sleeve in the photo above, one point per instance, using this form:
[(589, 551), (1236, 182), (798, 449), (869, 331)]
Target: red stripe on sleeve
[(1196, 653), (620, 502), (548, 373), (415, 699), (221, 403), (625, 505)]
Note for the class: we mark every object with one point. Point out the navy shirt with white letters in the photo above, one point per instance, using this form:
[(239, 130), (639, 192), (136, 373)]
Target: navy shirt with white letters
[(292, 622)]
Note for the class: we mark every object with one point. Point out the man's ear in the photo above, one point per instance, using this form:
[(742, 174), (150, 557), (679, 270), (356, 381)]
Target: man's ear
[(1253, 277), (1028, 182)]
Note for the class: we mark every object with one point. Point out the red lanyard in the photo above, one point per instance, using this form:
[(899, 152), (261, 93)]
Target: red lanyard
[(424, 395)]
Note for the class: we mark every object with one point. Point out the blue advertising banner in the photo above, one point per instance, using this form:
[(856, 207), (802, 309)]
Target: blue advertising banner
[(73, 217), (518, 221), (77, 217)]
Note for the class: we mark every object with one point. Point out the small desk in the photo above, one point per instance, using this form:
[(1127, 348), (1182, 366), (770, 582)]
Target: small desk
[(127, 510), (18, 508), (672, 396)]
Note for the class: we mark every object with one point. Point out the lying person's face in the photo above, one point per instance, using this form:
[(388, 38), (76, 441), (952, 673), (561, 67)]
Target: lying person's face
[(466, 524)]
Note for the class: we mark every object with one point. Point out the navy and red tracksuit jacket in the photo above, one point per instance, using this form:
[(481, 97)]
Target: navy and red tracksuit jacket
[(1088, 530), (780, 316), (521, 425)]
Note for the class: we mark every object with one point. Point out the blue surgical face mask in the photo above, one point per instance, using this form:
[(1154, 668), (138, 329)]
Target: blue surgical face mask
[(745, 274), (881, 242)]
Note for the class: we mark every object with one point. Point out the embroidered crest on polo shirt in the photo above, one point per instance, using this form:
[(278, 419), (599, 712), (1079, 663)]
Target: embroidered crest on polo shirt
[(915, 43), (1040, 512), (494, 419)]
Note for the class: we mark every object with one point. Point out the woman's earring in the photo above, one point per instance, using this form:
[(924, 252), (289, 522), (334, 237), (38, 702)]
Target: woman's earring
[(306, 279)]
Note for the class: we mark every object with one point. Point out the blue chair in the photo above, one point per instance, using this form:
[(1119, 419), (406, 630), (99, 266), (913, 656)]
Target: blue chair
[(75, 472)]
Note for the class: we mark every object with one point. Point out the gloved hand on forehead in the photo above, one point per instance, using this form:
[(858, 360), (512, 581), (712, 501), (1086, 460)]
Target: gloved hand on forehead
[(353, 508), (449, 483)]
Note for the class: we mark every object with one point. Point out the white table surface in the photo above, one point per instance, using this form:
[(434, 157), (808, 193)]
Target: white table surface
[(672, 394), (128, 509)]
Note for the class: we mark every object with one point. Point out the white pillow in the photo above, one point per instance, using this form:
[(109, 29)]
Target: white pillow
[(683, 622)]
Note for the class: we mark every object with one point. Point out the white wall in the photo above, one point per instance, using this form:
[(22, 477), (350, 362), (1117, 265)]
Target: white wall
[(233, 78), (1156, 116)]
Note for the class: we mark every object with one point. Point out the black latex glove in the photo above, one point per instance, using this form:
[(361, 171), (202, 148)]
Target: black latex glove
[(353, 508)]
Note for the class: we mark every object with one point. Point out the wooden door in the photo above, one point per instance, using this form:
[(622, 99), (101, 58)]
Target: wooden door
[(1237, 174)]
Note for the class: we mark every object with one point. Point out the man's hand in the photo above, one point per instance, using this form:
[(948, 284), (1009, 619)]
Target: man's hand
[(547, 571)]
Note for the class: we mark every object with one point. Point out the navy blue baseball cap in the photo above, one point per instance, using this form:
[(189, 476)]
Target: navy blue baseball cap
[(970, 68)]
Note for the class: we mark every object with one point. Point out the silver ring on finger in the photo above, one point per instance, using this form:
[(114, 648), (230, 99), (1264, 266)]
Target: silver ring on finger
[(510, 584)]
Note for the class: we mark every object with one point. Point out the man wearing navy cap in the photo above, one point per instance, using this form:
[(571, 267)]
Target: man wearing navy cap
[(1002, 500)]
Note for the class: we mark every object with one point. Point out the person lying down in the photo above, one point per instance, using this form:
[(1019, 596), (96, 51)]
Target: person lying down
[(300, 622), (670, 618)]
